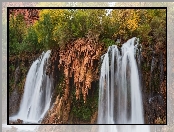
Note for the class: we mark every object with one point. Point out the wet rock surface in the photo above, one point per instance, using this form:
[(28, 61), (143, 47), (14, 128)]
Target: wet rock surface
[(14, 102)]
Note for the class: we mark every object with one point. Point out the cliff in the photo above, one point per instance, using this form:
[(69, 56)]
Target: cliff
[(78, 63)]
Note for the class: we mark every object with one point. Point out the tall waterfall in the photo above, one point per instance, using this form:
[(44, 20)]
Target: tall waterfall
[(37, 92), (120, 99)]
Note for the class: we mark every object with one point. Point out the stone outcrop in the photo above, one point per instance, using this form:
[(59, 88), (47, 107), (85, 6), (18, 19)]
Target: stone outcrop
[(59, 113), (79, 64), (154, 72), (80, 61)]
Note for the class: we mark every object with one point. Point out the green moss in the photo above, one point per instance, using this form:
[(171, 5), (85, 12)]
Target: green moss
[(59, 89), (84, 111), (60, 85)]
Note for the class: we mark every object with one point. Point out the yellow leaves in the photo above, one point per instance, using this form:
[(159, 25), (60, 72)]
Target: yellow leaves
[(112, 20), (132, 20), (128, 20), (51, 22), (42, 13), (121, 32), (132, 24), (55, 15), (63, 24), (36, 27)]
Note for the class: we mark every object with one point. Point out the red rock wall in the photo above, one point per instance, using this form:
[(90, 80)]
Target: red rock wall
[(79, 63)]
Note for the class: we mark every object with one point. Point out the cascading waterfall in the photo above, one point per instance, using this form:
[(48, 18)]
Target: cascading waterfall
[(120, 99), (37, 92)]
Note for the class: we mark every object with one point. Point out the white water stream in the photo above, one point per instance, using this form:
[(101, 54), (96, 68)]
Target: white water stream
[(37, 92), (120, 100)]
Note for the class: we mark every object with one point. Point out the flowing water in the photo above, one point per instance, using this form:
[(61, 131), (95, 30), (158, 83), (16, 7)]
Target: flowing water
[(120, 99), (37, 92)]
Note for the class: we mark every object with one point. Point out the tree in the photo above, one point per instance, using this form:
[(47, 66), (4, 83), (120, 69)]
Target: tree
[(17, 33)]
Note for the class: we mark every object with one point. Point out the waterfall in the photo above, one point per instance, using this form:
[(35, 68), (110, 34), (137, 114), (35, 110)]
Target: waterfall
[(37, 92), (120, 99)]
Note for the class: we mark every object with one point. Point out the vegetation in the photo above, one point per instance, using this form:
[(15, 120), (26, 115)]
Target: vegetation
[(56, 27), (84, 111)]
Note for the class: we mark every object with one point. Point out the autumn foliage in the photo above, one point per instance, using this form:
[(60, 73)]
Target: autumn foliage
[(56, 27), (77, 38)]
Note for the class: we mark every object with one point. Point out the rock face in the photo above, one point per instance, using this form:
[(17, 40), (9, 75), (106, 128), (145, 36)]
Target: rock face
[(15, 98), (14, 102), (154, 83), (59, 113), (79, 63)]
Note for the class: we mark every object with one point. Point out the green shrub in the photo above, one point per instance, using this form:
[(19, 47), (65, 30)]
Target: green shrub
[(17, 33), (108, 42)]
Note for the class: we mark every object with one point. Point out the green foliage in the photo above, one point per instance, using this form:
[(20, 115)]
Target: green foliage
[(21, 37), (45, 29), (159, 26), (84, 111), (60, 85), (144, 30), (19, 85), (52, 28), (32, 39), (57, 27), (17, 32), (79, 23), (153, 26), (17, 28), (108, 42)]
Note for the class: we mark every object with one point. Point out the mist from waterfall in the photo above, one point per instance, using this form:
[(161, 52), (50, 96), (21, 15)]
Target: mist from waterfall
[(37, 92)]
